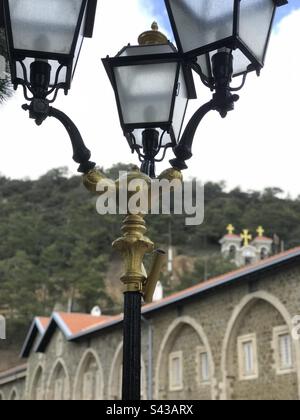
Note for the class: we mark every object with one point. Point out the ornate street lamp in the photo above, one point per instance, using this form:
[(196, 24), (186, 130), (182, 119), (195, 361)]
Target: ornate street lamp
[(152, 86), (220, 40), (44, 41)]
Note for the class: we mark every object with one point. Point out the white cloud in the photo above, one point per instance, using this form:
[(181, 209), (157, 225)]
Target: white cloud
[(258, 145)]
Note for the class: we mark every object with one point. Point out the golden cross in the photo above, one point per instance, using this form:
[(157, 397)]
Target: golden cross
[(260, 231), (246, 237), (230, 229)]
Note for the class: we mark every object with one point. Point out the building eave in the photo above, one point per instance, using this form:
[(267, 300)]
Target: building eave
[(13, 375), (35, 329)]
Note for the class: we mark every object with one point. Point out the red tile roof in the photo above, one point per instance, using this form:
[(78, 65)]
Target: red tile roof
[(43, 321), (79, 322)]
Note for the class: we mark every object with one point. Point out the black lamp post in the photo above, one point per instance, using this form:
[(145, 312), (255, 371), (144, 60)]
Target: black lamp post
[(44, 41), (152, 86), (220, 40)]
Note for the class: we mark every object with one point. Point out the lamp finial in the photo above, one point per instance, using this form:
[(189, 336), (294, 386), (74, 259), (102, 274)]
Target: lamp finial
[(153, 37), (154, 26)]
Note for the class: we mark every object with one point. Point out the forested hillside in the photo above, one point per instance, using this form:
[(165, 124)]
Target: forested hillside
[(55, 248)]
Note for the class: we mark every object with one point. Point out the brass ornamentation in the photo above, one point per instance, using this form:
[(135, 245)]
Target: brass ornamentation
[(153, 37), (134, 244)]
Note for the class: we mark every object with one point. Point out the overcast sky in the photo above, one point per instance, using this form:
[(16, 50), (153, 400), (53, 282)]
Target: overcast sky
[(257, 146)]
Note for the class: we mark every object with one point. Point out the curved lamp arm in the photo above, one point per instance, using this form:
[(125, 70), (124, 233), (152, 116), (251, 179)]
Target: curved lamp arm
[(183, 151), (40, 110), (81, 154)]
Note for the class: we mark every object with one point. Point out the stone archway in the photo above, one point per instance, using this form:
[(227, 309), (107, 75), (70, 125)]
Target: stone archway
[(89, 382), (14, 395), (174, 331), (59, 384), (36, 390), (248, 304), (115, 376)]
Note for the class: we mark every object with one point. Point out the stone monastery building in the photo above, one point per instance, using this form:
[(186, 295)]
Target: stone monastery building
[(233, 337)]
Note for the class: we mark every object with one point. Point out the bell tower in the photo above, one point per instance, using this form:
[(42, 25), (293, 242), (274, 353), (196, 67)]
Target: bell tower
[(243, 249), (231, 244)]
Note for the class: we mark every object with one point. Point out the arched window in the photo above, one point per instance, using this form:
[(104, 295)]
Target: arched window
[(14, 396), (264, 254), (250, 349), (89, 378), (59, 383), (232, 252), (184, 347), (248, 260), (37, 387)]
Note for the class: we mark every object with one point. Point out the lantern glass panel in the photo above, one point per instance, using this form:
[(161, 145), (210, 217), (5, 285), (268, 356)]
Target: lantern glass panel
[(79, 42), (44, 25), (180, 106), (54, 67), (202, 22), (166, 137), (255, 21), (146, 92), (240, 63)]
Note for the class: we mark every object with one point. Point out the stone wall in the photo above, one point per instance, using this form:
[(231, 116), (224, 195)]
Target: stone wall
[(12, 390)]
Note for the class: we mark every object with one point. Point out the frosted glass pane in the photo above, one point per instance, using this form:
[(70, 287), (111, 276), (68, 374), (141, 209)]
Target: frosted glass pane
[(240, 63), (54, 66), (44, 25), (145, 92), (180, 106), (138, 137), (255, 20), (147, 50), (202, 22), (79, 43), (178, 116), (203, 63)]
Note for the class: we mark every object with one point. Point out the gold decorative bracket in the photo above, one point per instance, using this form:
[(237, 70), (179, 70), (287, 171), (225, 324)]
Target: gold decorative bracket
[(134, 244)]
